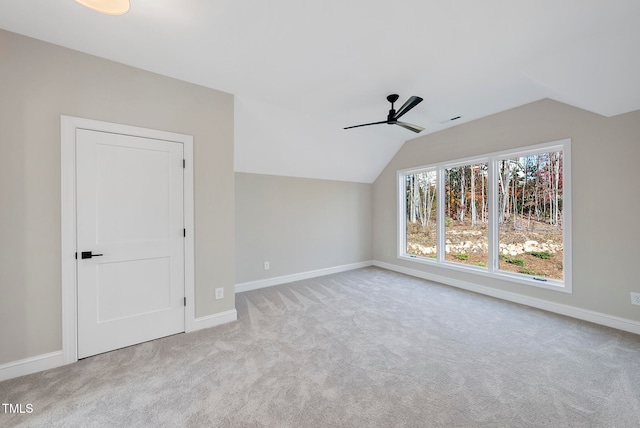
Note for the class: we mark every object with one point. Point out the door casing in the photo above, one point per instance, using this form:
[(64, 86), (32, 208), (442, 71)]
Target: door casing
[(68, 126)]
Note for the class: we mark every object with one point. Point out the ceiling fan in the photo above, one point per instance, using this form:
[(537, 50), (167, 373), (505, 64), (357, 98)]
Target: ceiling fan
[(393, 116)]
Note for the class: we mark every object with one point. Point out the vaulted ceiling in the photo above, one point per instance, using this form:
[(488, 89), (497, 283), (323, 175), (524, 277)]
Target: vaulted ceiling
[(301, 70)]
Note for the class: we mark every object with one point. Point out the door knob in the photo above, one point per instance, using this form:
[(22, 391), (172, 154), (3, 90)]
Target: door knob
[(89, 254)]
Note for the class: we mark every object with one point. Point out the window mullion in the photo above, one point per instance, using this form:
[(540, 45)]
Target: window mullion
[(440, 204)]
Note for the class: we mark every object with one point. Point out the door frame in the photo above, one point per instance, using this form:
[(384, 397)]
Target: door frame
[(68, 126)]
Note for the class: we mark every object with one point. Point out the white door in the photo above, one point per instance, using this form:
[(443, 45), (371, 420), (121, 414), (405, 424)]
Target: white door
[(130, 244)]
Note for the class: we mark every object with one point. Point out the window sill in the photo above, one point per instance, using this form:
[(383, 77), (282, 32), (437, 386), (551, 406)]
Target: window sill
[(545, 283)]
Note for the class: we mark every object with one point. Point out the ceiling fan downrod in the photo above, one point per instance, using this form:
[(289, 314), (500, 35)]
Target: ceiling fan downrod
[(390, 117)]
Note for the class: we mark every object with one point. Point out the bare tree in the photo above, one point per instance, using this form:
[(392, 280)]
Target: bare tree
[(474, 214), (504, 181), (462, 206)]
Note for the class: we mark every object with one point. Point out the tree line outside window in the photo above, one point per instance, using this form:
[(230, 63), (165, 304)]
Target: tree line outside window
[(530, 187)]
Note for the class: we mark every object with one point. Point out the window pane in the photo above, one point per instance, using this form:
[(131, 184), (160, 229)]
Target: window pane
[(530, 215), (466, 214), (421, 213)]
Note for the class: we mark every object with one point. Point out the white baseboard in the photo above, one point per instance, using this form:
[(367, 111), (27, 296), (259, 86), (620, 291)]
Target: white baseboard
[(214, 320), (558, 308), (31, 365), (262, 283)]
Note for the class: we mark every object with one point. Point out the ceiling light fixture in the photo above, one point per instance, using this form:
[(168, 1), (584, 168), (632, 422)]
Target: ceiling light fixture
[(109, 7)]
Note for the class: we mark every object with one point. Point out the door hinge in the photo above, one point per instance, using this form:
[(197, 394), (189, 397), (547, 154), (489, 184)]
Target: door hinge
[(184, 163), (185, 301), (184, 232)]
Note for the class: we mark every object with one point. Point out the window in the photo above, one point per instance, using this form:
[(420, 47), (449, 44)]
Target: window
[(529, 214), (466, 214), (504, 214), (420, 227)]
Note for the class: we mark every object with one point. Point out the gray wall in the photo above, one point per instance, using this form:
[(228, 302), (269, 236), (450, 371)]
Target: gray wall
[(605, 154), (299, 225), (38, 83)]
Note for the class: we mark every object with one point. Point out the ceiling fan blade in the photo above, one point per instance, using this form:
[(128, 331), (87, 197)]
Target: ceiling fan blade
[(365, 124), (410, 127), (411, 103)]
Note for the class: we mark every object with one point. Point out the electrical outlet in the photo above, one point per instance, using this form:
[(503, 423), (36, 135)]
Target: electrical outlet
[(266, 266), (219, 293), (635, 298)]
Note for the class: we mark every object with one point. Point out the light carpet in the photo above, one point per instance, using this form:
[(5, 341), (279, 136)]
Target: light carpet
[(364, 348)]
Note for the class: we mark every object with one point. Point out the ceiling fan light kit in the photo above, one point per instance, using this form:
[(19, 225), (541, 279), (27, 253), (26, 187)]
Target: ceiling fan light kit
[(108, 7), (393, 116)]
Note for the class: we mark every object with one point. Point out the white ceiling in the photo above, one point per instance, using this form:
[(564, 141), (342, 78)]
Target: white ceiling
[(302, 70)]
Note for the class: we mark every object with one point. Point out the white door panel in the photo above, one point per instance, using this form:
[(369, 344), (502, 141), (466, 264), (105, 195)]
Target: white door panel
[(130, 212), (130, 288), (132, 180)]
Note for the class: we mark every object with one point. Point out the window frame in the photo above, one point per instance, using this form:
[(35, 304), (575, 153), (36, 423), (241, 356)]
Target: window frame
[(492, 269)]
